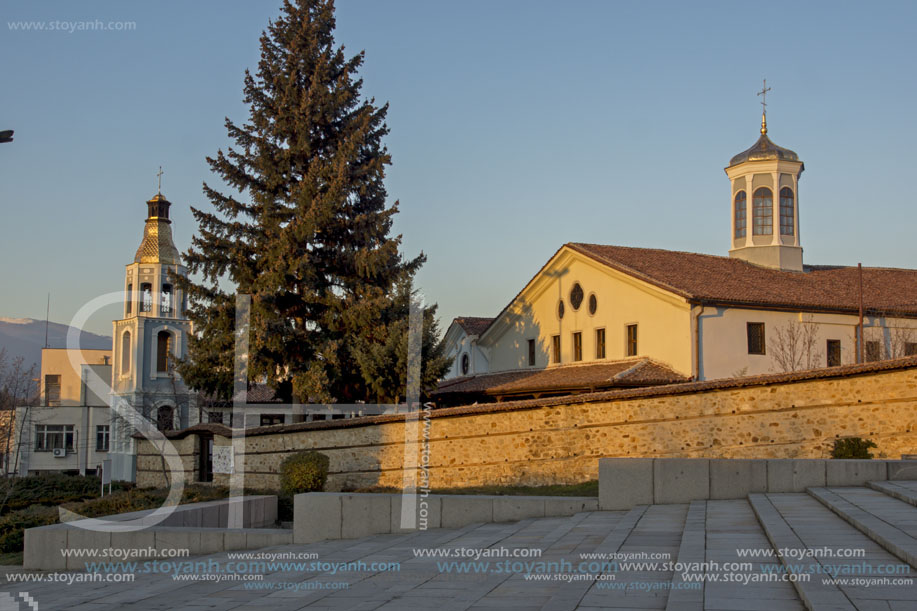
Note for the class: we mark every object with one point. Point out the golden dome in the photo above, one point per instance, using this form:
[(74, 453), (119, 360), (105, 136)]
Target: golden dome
[(157, 245), (763, 150)]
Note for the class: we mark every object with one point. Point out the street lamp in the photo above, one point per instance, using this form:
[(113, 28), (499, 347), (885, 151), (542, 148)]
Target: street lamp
[(6, 136)]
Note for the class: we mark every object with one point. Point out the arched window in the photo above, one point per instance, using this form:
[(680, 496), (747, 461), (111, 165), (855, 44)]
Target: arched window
[(129, 299), (163, 351), (786, 212), (125, 353), (741, 214), (166, 300), (164, 418), (763, 210), (146, 296)]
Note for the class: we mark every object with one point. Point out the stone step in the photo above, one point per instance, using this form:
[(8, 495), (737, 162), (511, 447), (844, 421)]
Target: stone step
[(693, 549), (815, 593), (888, 521), (903, 491), (731, 532), (834, 554)]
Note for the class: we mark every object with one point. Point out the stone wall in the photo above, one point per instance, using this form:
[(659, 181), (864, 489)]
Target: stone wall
[(560, 440)]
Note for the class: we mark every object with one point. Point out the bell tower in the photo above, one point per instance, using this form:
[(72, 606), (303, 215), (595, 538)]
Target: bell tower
[(764, 202), (148, 341)]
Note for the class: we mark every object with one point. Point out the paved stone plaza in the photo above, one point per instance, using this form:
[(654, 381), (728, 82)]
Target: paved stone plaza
[(880, 520)]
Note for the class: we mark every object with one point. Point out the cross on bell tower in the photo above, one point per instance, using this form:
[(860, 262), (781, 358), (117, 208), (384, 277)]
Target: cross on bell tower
[(762, 93)]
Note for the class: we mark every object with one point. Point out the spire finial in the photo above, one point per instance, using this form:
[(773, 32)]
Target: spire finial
[(159, 174), (763, 94)]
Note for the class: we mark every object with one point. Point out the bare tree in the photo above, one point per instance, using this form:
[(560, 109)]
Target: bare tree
[(17, 389), (795, 346)]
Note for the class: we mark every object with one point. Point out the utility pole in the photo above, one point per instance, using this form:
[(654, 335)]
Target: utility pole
[(860, 325)]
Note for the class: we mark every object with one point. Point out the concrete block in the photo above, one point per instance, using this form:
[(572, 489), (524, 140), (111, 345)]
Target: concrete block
[(460, 510), (238, 513), (795, 474), (190, 519), (270, 510), (210, 517), (258, 538), (234, 538), (680, 480), (568, 506), (211, 540), (316, 516), (365, 514), (82, 539), (515, 508), (902, 469), (625, 483), (854, 472), (735, 478), (255, 512), (133, 539), (427, 514), (222, 511), (168, 538), (43, 547)]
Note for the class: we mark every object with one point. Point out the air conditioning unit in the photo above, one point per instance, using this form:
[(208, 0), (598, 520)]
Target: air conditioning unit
[(59, 453)]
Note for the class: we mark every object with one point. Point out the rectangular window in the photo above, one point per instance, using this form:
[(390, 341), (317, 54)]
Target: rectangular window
[(600, 343), (531, 353), (755, 331), (52, 390), (215, 417), (50, 437), (103, 433), (555, 345), (578, 346), (129, 298), (271, 419), (631, 345), (910, 348), (873, 351), (834, 352)]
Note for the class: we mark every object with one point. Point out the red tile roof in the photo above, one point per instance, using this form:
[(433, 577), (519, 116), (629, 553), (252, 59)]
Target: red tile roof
[(723, 280), (473, 325), (565, 378)]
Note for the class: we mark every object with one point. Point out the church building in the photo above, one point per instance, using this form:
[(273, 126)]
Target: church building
[(148, 340), (602, 316)]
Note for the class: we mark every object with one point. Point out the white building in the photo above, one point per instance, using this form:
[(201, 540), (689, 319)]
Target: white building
[(759, 310)]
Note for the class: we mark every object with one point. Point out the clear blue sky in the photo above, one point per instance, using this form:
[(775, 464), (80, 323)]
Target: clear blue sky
[(516, 126)]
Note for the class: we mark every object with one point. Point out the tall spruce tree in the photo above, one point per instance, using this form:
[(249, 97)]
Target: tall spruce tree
[(308, 235)]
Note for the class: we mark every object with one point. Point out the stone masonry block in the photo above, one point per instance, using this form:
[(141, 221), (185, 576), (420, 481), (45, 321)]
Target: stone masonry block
[(568, 506), (43, 547), (735, 478), (515, 508), (316, 516), (460, 510), (625, 483), (854, 472), (680, 480), (428, 510), (365, 514), (795, 474)]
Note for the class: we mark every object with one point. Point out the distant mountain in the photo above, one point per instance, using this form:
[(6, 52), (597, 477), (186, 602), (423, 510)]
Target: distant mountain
[(25, 337)]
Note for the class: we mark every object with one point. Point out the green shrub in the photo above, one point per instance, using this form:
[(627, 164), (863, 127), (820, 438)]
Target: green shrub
[(303, 472), (50, 489), (13, 525), (852, 447)]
